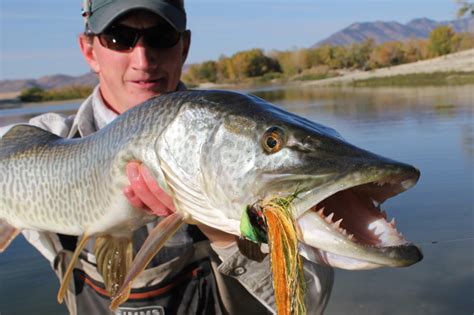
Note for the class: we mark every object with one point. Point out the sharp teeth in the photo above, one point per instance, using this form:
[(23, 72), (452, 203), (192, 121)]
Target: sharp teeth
[(338, 223), (329, 217), (320, 212), (376, 203), (392, 223), (351, 237)]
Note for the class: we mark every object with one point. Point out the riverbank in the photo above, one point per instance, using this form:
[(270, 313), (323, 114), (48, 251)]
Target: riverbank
[(452, 69), (453, 63)]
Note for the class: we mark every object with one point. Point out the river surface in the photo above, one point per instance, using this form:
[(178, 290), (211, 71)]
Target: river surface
[(430, 127)]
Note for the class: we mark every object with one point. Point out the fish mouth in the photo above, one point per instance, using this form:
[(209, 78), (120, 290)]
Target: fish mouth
[(346, 227)]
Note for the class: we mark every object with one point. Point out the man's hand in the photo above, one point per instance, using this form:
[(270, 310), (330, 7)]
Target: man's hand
[(143, 192)]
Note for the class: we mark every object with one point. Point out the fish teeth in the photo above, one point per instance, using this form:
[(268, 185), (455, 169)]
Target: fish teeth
[(338, 223), (320, 212), (350, 237), (375, 202), (329, 217), (392, 223)]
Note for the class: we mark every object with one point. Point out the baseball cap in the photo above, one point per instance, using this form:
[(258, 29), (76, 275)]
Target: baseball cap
[(99, 14)]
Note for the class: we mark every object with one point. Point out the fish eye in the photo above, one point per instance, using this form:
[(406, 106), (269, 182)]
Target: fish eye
[(273, 140)]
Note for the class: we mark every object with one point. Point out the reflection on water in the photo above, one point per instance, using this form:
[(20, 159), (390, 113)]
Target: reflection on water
[(431, 128)]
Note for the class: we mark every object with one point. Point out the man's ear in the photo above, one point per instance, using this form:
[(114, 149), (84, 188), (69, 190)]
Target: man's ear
[(86, 45), (186, 45)]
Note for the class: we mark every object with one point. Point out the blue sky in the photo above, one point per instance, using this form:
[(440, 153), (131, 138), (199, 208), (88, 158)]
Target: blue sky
[(39, 37)]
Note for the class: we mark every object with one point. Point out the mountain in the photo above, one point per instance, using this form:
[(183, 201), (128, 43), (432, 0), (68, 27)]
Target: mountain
[(48, 82), (382, 32)]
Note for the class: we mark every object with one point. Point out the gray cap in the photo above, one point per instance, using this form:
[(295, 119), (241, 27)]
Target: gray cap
[(101, 13)]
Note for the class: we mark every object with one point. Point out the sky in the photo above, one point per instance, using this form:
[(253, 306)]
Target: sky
[(39, 37)]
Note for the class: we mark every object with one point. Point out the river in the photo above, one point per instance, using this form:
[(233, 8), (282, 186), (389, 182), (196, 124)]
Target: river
[(429, 127)]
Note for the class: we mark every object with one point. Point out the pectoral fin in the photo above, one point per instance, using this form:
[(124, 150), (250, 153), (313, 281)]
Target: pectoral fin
[(154, 242), (114, 258), (67, 276), (7, 234)]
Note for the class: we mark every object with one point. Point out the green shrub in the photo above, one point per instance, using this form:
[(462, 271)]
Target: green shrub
[(37, 94)]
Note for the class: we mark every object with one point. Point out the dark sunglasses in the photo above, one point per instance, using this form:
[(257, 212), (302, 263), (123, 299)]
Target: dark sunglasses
[(123, 38)]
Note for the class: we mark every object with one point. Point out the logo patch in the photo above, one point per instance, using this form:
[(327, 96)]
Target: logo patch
[(146, 310)]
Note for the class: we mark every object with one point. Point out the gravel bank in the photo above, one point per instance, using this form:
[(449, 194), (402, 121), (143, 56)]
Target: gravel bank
[(461, 61)]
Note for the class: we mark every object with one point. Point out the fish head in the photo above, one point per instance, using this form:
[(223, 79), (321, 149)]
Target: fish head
[(249, 150)]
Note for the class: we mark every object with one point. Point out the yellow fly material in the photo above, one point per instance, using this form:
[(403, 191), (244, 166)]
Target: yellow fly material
[(287, 267)]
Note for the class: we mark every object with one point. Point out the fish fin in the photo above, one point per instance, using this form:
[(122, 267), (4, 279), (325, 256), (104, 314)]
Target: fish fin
[(250, 249), (68, 274), (113, 257), (24, 137), (25, 133), (7, 234), (152, 245)]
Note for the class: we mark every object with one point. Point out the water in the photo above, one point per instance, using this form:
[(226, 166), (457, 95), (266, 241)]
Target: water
[(431, 128)]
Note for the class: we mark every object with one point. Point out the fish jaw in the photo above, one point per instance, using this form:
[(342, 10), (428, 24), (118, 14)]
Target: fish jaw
[(342, 224)]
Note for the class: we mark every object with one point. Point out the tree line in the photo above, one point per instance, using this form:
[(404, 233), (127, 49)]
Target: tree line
[(253, 66)]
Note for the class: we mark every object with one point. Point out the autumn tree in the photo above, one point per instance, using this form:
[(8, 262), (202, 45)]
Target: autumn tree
[(359, 54), (253, 63), (466, 8), (466, 41), (415, 50), (191, 76), (387, 54), (208, 71), (442, 41)]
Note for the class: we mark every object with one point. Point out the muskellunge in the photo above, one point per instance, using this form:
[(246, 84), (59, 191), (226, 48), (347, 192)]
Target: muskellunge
[(216, 153)]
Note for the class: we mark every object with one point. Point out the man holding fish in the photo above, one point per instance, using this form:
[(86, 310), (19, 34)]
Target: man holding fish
[(138, 48)]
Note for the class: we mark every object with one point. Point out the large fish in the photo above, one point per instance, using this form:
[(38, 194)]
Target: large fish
[(216, 153)]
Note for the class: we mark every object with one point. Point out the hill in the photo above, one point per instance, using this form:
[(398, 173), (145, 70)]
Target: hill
[(382, 32), (48, 82)]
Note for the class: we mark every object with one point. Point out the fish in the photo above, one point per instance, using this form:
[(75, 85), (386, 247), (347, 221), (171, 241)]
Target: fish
[(217, 154)]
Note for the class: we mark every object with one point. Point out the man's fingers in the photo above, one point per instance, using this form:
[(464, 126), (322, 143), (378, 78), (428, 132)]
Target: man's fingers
[(142, 192), (132, 198), (155, 189)]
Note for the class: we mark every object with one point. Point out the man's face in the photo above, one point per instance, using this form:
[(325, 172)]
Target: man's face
[(132, 77)]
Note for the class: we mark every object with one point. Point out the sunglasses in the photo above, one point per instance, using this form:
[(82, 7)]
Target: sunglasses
[(124, 38)]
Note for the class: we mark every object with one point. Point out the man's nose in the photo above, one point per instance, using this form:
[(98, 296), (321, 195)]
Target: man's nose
[(142, 57)]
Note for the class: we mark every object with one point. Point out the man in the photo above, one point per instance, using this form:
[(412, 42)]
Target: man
[(138, 48)]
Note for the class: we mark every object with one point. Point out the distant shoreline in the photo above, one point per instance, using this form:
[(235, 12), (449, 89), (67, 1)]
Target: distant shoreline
[(462, 61), (4, 96)]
